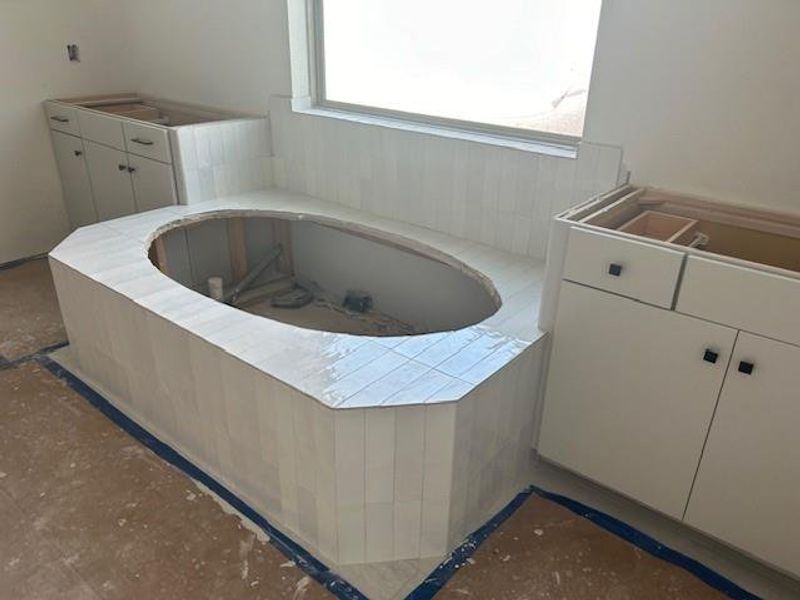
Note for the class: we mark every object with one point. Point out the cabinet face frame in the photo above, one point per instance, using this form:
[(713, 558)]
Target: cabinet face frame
[(614, 406), (747, 489), (111, 182)]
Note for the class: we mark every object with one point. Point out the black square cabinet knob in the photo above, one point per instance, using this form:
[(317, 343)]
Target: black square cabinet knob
[(746, 367), (615, 269), (710, 356)]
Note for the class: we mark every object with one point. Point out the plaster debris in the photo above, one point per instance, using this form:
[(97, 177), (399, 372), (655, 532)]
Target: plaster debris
[(245, 546), (3, 475), (301, 588), (288, 564), (260, 534), (539, 532), (471, 560), (190, 496), (506, 558)]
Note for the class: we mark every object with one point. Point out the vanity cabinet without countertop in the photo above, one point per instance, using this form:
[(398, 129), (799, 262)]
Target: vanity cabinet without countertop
[(674, 376), (124, 153)]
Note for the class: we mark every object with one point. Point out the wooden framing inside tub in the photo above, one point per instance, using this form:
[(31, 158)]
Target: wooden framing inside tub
[(409, 291)]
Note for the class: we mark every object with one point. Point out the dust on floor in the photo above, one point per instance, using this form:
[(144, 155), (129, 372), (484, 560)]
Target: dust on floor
[(29, 315), (544, 551), (87, 512)]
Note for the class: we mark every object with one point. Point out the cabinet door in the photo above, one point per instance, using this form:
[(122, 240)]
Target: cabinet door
[(71, 162), (747, 490), (111, 182), (153, 183), (630, 395)]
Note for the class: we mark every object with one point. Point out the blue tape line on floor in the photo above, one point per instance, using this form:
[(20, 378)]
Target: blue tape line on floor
[(440, 576), (650, 545), (458, 557), (7, 364), (302, 558)]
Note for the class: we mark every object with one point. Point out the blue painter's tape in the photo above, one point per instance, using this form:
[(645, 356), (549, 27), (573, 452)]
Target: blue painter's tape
[(7, 364), (439, 577), (302, 558), (650, 545), (458, 557), (21, 261)]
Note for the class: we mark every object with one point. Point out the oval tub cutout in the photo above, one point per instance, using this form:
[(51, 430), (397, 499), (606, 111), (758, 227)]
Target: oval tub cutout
[(413, 290)]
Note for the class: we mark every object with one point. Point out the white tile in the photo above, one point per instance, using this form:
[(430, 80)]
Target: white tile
[(407, 529), (434, 526), (419, 390), (381, 390), (409, 453), (439, 451), (380, 449), (379, 532), (351, 533), (350, 458)]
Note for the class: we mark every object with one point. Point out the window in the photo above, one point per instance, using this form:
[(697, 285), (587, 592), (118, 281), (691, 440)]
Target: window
[(520, 67)]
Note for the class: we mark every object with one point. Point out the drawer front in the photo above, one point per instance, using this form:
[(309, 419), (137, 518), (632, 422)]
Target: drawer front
[(147, 141), (749, 299), (62, 118), (626, 267), (101, 129)]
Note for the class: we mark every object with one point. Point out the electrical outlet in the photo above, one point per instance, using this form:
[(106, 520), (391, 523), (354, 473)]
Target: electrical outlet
[(73, 53)]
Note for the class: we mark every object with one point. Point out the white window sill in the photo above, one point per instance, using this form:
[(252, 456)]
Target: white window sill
[(558, 150)]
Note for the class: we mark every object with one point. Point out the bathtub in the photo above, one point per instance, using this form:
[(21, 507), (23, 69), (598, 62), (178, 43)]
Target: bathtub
[(363, 448)]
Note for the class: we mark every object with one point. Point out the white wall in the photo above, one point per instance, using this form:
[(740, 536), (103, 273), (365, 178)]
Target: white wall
[(33, 38), (226, 53), (700, 93), (703, 95)]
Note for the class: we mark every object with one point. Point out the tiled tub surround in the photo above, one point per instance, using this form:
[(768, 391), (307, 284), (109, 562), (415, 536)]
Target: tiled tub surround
[(363, 449), (497, 194)]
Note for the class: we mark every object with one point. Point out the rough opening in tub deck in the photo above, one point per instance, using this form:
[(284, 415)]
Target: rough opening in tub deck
[(321, 277)]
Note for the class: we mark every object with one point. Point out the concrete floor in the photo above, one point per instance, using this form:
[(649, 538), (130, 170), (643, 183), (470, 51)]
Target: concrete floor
[(87, 512)]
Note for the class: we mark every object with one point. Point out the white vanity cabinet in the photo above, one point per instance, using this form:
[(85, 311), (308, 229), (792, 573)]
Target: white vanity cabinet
[(127, 153), (674, 376), (70, 157), (631, 392), (111, 181), (747, 491)]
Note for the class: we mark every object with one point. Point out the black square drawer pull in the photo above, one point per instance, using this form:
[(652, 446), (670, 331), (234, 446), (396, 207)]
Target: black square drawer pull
[(746, 367), (710, 356), (615, 269)]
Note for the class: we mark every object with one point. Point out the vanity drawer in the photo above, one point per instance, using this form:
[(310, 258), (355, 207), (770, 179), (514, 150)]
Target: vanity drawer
[(749, 299), (641, 271), (147, 141), (101, 129), (62, 118)]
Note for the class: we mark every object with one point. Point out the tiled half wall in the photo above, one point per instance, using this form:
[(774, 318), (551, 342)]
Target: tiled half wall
[(500, 196), (351, 485)]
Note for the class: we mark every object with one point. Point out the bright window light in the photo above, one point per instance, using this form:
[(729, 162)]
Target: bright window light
[(522, 64)]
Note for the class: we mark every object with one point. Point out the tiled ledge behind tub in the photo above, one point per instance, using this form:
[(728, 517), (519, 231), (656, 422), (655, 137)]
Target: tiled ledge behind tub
[(495, 195), (223, 158)]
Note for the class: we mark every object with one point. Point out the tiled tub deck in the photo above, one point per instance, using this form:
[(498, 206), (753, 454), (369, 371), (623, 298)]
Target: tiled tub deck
[(364, 449)]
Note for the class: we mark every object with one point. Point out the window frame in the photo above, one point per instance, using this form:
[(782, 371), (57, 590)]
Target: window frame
[(319, 100)]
